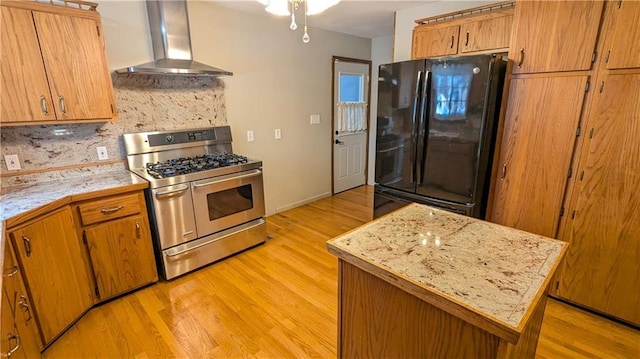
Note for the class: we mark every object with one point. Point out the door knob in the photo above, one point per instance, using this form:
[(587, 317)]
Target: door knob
[(338, 142)]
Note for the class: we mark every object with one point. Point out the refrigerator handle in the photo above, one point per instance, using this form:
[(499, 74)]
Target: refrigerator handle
[(414, 132), (424, 115)]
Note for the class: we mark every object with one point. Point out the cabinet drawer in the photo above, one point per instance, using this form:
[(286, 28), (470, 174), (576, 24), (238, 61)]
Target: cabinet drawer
[(109, 208)]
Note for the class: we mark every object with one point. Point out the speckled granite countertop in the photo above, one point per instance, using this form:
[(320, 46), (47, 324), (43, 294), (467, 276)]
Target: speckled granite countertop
[(483, 268), (19, 201)]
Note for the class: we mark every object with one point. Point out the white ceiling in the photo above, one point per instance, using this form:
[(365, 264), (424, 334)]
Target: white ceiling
[(364, 18)]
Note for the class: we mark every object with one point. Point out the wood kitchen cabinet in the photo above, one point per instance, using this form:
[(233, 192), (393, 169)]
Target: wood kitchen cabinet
[(54, 66), (116, 230), (601, 270), (50, 256), (552, 36), (536, 151), (435, 40), (17, 304), (623, 50), (461, 33)]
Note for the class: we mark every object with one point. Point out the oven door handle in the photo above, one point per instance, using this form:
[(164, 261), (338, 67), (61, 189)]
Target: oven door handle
[(229, 178), (241, 229), (172, 193)]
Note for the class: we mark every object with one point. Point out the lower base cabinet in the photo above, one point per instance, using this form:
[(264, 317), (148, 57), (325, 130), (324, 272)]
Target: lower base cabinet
[(122, 255), (50, 257), (70, 259)]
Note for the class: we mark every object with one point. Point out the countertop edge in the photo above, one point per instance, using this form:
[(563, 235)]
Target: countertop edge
[(448, 304)]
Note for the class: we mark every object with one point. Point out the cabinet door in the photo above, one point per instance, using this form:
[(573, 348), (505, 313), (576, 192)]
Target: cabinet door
[(25, 92), (539, 134), (601, 269), (50, 255), (9, 336), (24, 320), (122, 255), (435, 40), (75, 61), (624, 49), (489, 34), (552, 36)]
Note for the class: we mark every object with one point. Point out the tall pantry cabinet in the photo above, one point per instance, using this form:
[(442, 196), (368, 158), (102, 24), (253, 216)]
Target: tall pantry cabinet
[(601, 270), (569, 162), (546, 96)]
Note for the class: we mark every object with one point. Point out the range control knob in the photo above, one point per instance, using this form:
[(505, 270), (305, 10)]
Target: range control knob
[(169, 138)]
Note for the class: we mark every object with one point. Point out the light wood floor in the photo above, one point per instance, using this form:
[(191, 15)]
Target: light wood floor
[(279, 300)]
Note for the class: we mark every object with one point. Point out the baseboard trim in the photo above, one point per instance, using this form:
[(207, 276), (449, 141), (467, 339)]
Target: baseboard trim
[(303, 202)]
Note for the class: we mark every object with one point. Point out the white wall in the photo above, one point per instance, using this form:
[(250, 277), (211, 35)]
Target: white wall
[(405, 22), (381, 53), (278, 82)]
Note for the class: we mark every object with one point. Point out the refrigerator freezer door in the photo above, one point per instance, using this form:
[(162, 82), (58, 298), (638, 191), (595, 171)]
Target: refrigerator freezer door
[(398, 111), (386, 200), (456, 123)]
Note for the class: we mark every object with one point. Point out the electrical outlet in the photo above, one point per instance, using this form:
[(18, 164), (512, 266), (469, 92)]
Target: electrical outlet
[(315, 119), (12, 162), (249, 136), (277, 134), (102, 153)]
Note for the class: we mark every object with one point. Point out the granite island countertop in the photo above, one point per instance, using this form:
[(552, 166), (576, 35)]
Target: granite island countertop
[(480, 269)]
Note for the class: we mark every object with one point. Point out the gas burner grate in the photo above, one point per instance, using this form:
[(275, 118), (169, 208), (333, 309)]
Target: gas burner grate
[(181, 166)]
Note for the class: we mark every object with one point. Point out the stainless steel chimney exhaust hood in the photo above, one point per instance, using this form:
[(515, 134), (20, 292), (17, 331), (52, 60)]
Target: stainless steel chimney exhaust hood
[(169, 25)]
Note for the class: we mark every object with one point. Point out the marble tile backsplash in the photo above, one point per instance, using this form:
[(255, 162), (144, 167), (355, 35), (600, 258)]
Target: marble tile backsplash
[(145, 103)]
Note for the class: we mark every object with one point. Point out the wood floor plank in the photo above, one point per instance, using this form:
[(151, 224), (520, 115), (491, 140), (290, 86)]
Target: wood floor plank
[(279, 300)]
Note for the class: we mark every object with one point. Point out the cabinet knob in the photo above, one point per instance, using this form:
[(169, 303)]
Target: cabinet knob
[(453, 38), (466, 43), (25, 308), (137, 230)]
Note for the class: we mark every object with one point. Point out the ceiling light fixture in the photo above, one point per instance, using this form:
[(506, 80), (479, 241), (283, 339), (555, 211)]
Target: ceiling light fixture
[(289, 7)]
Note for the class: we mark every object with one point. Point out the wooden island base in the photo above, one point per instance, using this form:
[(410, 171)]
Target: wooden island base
[(379, 320)]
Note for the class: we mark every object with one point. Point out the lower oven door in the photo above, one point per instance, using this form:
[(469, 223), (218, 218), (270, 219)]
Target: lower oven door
[(226, 201), (173, 215)]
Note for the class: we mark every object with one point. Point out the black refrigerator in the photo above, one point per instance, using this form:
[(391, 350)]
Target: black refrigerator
[(437, 121)]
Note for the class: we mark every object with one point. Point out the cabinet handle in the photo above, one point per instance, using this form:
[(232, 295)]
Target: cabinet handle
[(521, 58), (11, 337), (453, 37), (62, 106), (137, 230), (504, 171), (43, 105), (27, 245), (14, 271), (111, 210), (466, 43), (25, 307)]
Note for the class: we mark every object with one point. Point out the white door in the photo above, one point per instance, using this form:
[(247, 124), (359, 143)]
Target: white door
[(350, 123)]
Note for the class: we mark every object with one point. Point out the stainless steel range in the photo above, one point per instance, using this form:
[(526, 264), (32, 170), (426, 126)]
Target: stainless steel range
[(205, 203)]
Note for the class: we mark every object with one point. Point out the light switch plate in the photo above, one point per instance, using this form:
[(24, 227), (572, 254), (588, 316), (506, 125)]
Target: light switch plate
[(249, 136), (315, 119), (12, 162), (277, 134), (102, 153)]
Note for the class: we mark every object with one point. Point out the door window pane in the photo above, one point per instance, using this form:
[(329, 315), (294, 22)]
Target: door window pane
[(351, 87)]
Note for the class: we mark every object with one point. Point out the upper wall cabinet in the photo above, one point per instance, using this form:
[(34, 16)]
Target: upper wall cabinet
[(474, 30), (54, 65), (552, 36), (624, 48)]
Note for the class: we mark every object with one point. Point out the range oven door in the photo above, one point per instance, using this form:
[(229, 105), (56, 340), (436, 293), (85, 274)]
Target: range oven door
[(173, 215), (226, 201)]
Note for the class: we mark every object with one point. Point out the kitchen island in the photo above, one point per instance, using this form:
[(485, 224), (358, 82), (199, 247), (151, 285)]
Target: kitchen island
[(422, 282)]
